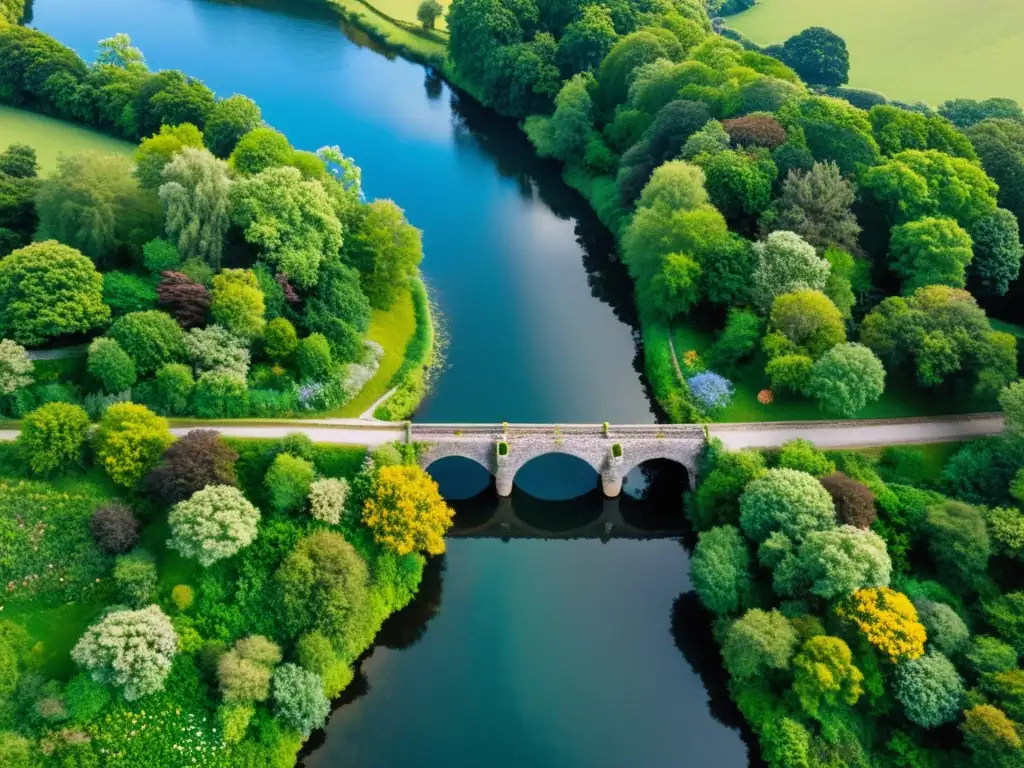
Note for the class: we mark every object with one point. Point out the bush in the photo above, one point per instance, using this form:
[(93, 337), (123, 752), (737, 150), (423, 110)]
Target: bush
[(720, 569), (958, 541), (280, 340), (233, 721), (114, 528), (160, 256), (131, 650), (758, 644), (220, 395), (135, 577), (85, 698), (299, 698), (718, 495), (15, 367), (244, 672), (174, 386), (1006, 615), (288, 482), (125, 293), (151, 338), (111, 366), (784, 500), (191, 463), (313, 358), (327, 499), (711, 391), (987, 655), (53, 438), (802, 456), (854, 502), (216, 522), (930, 689), (128, 441), (182, 596), (946, 631)]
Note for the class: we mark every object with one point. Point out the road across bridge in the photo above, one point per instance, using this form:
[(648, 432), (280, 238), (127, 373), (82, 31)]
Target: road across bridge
[(611, 450)]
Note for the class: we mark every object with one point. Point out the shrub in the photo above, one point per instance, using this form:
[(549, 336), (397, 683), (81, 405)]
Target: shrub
[(854, 502), (182, 596), (298, 444), (712, 391), (717, 498), (406, 512), (111, 366), (788, 501), (986, 655), (946, 631), (958, 541), (220, 395), (280, 340), (15, 367), (888, 620), (244, 672), (824, 675), (847, 378), (233, 721), (315, 653), (237, 303), (929, 689), (128, 441), (53, 437), (184, 297), (802, 456), (215, 348), (720, 569), (174, 387), (114, 527), (216, 522), (85, 698), (194, 461), (1006, 615), (15, 750), (1006, 526), (135, 578), (151, 338), (759, 643), (313, 358), (131, 650), (299, 698), (327, 499), (288, 482), (125, 293), (158, 256)]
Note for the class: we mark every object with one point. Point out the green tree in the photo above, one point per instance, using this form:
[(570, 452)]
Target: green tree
[(825, 677), (93, 203), (135, 578), (118, 51), (1000, 146), (946, 631), (930, 251), (220, 394), (111, 366), (808, 323), (587, 40), (836, 562), (260, 149), (477, 28), (965, 113), (292, 221), (150, 338), (129, 441), (997, 253), (739, 183), (628, 53), (785, 743), (155, 152), (53, 437), (784, 500), (387, 250), (228, 121), (1011, 400), (717, 499), (929, 689), (846, 379), (339, 310), (48, 290), (572, 124), (987, 655), (237, 303), (195, 196), (158, 255), (16, 368), (958, 541), (738, 340), (992, 738), (214, 523), (759, 643), (802, 456), (833, 130), (280, 340), (174, 385), (816, 205), (721, 570), (243, 673), (428, 12), (288, 481), (124, 293), (785, 262), (299, 698), (313, 358), (819, 56), (675, 185)]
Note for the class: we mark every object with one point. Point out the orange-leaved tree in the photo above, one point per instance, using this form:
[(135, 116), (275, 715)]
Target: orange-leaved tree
[(406, 512)]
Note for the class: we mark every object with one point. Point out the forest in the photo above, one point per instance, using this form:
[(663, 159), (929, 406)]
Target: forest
[(788, 236)]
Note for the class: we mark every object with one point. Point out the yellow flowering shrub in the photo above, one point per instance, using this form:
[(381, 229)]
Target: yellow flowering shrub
[(888, 620), (406, 512)]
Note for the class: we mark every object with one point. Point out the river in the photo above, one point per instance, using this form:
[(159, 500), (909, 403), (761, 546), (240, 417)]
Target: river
[(542, 652)]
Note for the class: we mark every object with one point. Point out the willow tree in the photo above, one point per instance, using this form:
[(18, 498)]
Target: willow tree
[(195, 199)]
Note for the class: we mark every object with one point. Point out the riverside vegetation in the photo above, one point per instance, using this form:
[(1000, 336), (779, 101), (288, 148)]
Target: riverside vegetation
[(221, 274), (792, 238)]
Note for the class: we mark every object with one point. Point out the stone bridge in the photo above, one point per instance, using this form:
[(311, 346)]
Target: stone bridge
[(612, 451)]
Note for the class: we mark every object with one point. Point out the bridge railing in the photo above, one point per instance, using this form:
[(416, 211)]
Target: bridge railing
[(587, 430)]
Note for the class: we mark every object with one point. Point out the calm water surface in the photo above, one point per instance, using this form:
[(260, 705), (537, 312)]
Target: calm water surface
[(524, 652)]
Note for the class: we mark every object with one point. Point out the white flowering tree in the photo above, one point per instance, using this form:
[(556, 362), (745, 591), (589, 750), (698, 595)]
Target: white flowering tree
[(15, 367), (131, 650), (214, 523), (327, 499)]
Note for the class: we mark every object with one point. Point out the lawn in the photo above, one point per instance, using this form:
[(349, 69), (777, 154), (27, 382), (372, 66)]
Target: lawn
[(377, 20), (50, 137), (902, 398), (405, 10), (910, 50), (392, 329)]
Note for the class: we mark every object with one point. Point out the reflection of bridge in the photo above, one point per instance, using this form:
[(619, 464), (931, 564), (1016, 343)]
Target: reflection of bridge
[(611, 451), (505, 523)]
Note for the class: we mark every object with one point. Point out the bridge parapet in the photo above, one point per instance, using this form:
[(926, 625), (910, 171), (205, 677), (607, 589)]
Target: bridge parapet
[(611, 450)]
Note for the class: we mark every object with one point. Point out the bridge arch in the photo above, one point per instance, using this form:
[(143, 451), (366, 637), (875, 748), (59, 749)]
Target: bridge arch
[(555, 476), (460, 477)]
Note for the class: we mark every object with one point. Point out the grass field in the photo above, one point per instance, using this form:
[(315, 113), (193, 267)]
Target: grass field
[(50, 137), (392, 329), (910, 50), (378, 21), (405, 10)]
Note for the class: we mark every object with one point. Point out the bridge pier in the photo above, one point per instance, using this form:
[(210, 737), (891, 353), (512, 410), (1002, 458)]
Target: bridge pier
[(611, 483), (503, 481)]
